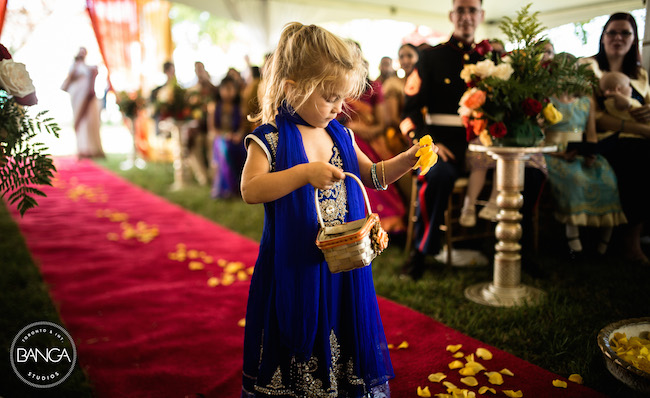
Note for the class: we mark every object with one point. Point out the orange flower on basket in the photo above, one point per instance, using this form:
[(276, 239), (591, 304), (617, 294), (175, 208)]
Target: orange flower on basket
[(479, 125)]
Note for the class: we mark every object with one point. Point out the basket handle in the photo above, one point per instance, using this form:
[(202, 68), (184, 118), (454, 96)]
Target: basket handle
[(363, 190)]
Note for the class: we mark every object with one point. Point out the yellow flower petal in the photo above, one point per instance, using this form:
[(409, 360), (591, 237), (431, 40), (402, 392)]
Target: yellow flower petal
[(483, 354), (227, 279), (207, 259), (468, 371), (469, 381), (241, 323), (242, 275), (559, 383), (195, 266), (221, 262), (485, 389), (506, 372), (437, 377), (403, 345), (456, 365), (454, 348), (470, 358), (212, 282), (449, 385), (494, 378), (513, 394), (250, 270), (423, 392), (443, 395), (576, 378), (459, 354), (475, 365), (391, 346), (193, 254)]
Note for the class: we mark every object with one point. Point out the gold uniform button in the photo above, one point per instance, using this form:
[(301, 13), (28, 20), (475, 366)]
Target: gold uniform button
[(447, 81), (466, 57), (415, 141), (460, 45)]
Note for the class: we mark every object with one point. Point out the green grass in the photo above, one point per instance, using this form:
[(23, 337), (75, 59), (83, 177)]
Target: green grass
[(559, 334)]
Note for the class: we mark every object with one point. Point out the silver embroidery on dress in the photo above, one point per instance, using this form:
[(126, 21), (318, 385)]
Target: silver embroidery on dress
[(333, 202), (272, 139)]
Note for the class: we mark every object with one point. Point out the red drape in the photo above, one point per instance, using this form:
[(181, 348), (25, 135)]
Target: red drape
[(116, 26), (3, 10)]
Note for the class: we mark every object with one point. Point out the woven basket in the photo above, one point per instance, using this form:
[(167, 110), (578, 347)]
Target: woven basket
[(352, 244)]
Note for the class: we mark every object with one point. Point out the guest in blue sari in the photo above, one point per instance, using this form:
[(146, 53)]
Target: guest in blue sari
[(225, 140), (310, 332)]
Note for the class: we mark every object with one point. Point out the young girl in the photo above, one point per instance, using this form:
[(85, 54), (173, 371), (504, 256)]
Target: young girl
[(583, 183), (309, 332)]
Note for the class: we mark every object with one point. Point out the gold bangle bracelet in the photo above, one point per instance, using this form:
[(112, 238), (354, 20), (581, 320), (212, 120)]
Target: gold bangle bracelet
[(383, 174)]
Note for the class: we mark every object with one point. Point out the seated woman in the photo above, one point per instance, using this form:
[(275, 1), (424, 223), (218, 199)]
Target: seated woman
[(366, 118), (626, 144)]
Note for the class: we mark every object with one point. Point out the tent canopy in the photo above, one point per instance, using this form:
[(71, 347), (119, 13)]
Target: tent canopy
[(268, 16)]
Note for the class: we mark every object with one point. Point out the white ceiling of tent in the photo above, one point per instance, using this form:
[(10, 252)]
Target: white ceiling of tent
[(268, 16)]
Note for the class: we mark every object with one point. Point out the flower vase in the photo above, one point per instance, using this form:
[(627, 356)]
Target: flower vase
[(521, 133)]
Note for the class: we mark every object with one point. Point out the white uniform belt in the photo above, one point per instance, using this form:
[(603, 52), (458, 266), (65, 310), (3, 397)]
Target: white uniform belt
[(443, 119)]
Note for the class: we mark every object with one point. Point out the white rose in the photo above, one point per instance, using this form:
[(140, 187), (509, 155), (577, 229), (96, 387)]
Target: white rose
[(15, 79), (503, 71), (484, 68), (467, 72)]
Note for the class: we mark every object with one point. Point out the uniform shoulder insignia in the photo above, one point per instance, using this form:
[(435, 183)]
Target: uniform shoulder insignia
[(413, 83)]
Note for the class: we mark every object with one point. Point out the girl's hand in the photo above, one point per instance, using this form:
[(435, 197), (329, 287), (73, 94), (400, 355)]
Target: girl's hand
[(323, 175)]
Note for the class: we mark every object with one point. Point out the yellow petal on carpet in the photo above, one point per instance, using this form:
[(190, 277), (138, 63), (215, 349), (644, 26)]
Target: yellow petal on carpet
[(454, 348), (470, 358), (403, 345), (449, 385), (469, 381), (250, 270), (443, 395), (227, 279), (458, 354), (207, 259), (506, 371), (193, 254), (576, 378), (513, 394), (112, 236), (195, 266), (483, 354), (242, 275), (221, 262), (181, 246), (477, 366), (391, 346), (172, 256), (241, 323), (559, 383), (212, 282), (437, 377), (494, 378), (232, 268), (485, 389), (423, 392), (456, 365), (468, 371)]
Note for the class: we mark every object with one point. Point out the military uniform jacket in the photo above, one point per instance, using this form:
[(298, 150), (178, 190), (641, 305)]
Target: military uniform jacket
[(436, 85)]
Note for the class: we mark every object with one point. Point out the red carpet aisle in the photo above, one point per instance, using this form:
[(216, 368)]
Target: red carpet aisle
[(152, 296)]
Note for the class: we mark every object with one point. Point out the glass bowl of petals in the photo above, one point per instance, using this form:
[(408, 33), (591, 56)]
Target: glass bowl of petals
[(626, 348)]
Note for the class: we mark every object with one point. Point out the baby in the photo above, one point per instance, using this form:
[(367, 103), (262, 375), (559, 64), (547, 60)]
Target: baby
[(616, 87)]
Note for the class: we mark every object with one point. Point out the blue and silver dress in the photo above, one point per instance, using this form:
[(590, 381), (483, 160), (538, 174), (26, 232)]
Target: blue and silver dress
[(584, 196), (310, 333)]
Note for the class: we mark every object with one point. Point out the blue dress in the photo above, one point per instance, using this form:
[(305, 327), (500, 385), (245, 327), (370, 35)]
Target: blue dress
[(346, 354), (584, 196)]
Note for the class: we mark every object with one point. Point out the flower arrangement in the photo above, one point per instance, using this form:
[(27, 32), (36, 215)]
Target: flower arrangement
[(508, 100), (175, 102), (23, 164), (130, 103)]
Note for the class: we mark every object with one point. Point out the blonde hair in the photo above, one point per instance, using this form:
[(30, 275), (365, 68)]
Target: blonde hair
[(612, 79), (313, 58)]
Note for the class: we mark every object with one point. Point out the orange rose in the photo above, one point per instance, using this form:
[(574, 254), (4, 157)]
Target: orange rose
[(475, 100)]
